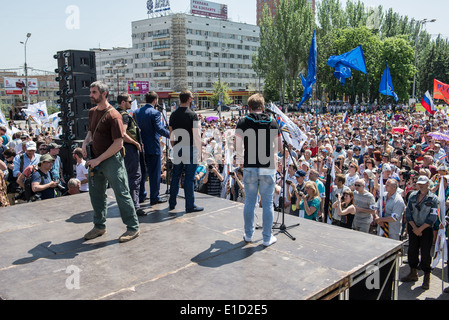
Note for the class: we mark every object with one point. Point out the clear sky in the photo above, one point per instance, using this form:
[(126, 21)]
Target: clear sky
[(107, 24)]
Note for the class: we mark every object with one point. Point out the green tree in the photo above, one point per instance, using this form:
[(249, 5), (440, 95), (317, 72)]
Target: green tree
[(224, 89), (284, 44), (400, 56)]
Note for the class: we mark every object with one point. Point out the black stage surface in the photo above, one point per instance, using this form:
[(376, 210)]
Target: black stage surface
[(178, 256)]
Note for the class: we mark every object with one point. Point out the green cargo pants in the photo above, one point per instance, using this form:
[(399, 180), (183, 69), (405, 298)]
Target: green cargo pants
[(112, 170)]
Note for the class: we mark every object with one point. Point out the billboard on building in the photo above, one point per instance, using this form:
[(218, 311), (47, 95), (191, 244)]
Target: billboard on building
[(209, 9), (17, 86), (138, 87)]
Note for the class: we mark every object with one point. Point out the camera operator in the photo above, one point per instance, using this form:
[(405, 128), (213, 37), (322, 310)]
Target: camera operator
[(296, 190), (213, 179), (238, 189), (41, 180)]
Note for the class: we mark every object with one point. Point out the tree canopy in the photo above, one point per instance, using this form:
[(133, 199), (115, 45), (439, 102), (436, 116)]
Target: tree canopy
[(384, 35)]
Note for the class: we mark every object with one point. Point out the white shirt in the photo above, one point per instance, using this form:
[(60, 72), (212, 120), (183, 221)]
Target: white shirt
[(81, 174)]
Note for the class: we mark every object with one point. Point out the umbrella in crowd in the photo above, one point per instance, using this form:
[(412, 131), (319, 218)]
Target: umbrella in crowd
[(209, 119), (439, 136), (398, 130)]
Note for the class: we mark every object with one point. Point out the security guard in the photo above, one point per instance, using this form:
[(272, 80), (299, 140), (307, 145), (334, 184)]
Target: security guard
[(421, 214), (133, 149)]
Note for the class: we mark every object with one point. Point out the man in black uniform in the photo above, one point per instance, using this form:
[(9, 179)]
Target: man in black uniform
[(132, 144), (185, 137)]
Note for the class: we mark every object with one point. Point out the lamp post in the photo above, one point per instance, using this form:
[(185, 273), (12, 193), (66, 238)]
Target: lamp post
[(27, 91), (420, 23), (118, 67)]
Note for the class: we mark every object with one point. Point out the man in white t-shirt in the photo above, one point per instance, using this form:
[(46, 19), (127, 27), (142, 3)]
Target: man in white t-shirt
[(82, 173)]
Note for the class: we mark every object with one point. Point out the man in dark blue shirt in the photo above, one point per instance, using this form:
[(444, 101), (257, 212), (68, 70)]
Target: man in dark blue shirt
[(41, 180), (150, 123)]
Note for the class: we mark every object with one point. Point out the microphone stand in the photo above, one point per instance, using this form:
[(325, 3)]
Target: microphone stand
[(283, 228)]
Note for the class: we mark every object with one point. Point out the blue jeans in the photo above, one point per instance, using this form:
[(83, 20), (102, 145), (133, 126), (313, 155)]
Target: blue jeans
[(258, 181), (189, 180)]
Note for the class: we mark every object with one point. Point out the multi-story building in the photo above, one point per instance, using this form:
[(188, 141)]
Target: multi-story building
[(115, 67), (183, 51), (273, 4)]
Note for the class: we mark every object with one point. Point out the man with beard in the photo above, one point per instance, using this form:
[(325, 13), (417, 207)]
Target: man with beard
[(105, 141)]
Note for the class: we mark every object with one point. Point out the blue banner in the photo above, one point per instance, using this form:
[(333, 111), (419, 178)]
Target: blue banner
[(386, 85), (311, 73)]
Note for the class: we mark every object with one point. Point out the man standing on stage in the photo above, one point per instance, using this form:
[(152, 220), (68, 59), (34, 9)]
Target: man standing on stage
[(257, 140), (185, 136), (150, 123), (131, 142), (105, 141)]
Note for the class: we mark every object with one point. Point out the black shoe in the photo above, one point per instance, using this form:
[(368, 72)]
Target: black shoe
[(196, 209), (170, 208), (159, 201), (141, 213)]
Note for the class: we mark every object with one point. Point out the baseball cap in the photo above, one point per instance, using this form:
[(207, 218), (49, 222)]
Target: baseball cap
[(422, 180), (46, 158), (300, 173), (30, 145), (53, 146)]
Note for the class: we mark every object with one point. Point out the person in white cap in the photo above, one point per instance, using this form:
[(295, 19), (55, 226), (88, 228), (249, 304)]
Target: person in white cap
[(421, 214), (28, 158)]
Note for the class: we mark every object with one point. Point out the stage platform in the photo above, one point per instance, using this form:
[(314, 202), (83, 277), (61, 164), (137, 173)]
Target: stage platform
[(179, 256)]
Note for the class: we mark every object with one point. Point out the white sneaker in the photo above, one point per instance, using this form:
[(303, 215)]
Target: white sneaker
[(272, 240), (247, 239)]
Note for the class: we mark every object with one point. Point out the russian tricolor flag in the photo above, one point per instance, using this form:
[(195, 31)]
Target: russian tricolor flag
[(427, 103), (346, 118)]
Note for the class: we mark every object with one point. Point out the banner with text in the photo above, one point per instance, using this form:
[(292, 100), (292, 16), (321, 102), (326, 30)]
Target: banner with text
[(17, 86), (209, 9), (441, 91), (138, 87)]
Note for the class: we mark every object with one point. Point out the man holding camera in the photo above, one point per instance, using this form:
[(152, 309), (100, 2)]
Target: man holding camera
[(42, 181)]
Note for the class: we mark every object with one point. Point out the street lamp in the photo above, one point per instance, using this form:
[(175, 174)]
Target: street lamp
[(118, 67), (27, 92), (420, 23)]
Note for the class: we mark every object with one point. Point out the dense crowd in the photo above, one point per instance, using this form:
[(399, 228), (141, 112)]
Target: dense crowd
[(369, 154)]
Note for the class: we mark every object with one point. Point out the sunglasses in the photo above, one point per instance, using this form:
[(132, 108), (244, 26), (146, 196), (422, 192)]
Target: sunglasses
[(358, 185)]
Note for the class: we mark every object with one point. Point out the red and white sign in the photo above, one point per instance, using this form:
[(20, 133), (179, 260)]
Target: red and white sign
[(209, 9), (17, 86)]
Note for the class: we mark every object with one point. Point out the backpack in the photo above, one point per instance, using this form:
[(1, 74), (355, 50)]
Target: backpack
[(29, 194)]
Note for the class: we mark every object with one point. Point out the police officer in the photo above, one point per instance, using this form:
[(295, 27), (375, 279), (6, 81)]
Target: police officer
[(133, 149), (421, 214)]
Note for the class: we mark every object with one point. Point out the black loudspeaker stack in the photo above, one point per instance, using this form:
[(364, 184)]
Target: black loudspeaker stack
[(75, 73)]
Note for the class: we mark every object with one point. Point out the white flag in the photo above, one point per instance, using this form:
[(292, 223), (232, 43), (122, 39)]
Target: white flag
[(54, 120), (134, 106), (38, 112), (3, 119), (297, 136)]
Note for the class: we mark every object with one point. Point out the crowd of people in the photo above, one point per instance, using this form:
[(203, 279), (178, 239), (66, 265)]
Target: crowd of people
[(384, 164)]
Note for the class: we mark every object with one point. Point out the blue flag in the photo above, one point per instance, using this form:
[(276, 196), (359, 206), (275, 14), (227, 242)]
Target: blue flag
[(386, 85), (342, 73), (354, 59), (311, 73)]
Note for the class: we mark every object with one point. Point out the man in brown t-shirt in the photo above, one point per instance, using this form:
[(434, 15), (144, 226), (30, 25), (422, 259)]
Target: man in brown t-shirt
[(106, 165)]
